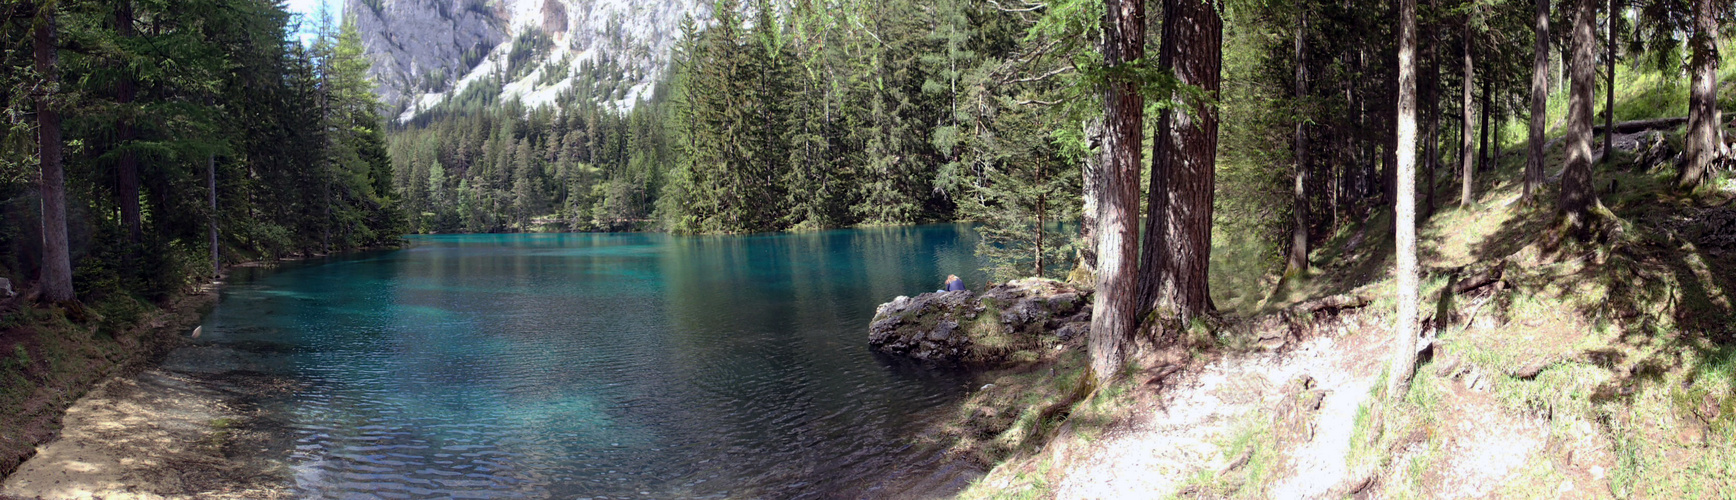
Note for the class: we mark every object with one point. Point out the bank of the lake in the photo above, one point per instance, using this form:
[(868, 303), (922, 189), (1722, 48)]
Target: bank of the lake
[(54, 355)]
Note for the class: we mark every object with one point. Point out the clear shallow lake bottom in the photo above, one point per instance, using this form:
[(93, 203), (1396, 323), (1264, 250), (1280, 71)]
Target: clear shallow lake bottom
[(583, 365)]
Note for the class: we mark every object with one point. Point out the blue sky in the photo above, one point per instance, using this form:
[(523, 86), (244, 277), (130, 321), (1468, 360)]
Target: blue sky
[(309, 7), (309, 10)]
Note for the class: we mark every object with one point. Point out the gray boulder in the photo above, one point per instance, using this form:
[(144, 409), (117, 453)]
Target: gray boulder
[(987, 330)]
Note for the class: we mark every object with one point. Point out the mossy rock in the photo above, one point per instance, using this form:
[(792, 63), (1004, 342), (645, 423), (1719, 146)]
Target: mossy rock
[(1006, 324)]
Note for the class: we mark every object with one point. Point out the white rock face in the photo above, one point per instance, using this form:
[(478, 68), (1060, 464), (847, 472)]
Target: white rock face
[(426, 50), (410, 41)]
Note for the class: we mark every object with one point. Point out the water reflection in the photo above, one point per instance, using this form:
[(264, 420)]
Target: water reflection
[(576, 365)]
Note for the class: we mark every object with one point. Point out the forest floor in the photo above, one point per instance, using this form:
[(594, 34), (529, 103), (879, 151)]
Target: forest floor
[(1600, 369)]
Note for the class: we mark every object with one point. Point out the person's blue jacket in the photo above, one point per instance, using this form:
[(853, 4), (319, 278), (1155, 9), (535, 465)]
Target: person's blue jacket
[(955, 285)]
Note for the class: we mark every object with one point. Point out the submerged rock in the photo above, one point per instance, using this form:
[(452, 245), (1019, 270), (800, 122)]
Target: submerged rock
[(1002, 325)]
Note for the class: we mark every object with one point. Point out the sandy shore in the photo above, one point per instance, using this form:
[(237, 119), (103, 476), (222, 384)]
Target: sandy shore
[(164, 433)]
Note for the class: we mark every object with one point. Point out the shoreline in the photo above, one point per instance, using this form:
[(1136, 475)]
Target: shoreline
[(73, 359), (93, 403), (161, 433)]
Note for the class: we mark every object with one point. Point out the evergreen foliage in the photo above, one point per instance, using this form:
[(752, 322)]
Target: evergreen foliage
[(291, 131), (776, 116)]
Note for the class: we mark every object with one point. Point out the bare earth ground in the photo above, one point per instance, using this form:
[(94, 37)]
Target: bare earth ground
[(159, 434), (1179, 434), (1179, 439)]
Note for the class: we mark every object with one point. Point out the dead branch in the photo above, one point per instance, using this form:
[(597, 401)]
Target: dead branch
[(1480, 279), (1335, 302)]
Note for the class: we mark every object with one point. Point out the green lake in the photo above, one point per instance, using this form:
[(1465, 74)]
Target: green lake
[(597, 365)]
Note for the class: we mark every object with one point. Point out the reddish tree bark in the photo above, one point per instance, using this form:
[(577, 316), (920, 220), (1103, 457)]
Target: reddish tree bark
[(1705, 129), (1577, 195), (1178, 234)]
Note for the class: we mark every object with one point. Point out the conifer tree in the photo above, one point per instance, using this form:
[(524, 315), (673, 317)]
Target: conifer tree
[(56, 273), (1405, 327)]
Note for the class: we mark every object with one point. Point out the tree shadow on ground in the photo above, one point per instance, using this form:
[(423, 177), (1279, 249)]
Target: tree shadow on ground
[(1362, 256), (1657, 276)]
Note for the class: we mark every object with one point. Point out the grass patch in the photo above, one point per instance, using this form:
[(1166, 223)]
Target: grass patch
[(1009, 422), (1252, 450)]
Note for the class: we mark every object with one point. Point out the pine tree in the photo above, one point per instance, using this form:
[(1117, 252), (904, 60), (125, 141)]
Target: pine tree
[(1577, 196), (1117, 297), (1178, 238), (1539, 100), (1705, 126), (56, 258), (1027, 193), (1405, 328)]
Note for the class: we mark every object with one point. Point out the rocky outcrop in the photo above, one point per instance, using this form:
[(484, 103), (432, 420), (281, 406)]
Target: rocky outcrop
[(1005, 324), (424, 51)]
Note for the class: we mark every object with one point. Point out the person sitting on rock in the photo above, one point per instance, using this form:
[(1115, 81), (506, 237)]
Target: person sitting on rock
[(953, 284)]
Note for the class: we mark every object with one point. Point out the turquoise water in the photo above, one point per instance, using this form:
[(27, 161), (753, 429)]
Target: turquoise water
[(580, 365)]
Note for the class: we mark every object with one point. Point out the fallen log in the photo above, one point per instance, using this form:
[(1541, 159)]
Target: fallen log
[(1480, 279), (1335, 302), (1629, 127)]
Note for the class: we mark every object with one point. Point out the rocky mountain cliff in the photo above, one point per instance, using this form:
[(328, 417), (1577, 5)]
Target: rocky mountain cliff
[(425, 51)]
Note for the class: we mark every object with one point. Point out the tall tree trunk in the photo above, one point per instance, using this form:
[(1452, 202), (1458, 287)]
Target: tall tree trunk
[(1092, 193), (1389, 153), (56, 256), (1178, 235), (1576, 190), (1042, 221), (1431, 109), (1298, 261), (127, 166), (1467, 132), (1539, 101), (211, 184), (1405, 234), (1488, 111), (1609, 93), (1704, 125), (1112, 321)]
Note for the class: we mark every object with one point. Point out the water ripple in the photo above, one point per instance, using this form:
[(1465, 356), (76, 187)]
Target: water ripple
[(511, 366)]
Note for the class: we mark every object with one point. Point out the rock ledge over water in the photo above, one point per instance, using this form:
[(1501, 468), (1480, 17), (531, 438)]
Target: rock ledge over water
[(1005, 324)]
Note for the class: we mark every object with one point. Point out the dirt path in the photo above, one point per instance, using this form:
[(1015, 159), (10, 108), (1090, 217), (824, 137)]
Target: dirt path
[(161, 434), (1483, 445), (1181, 434)]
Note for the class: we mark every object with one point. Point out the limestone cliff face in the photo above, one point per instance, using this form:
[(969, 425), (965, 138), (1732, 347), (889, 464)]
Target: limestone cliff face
[(532, 50), (424, 45)]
